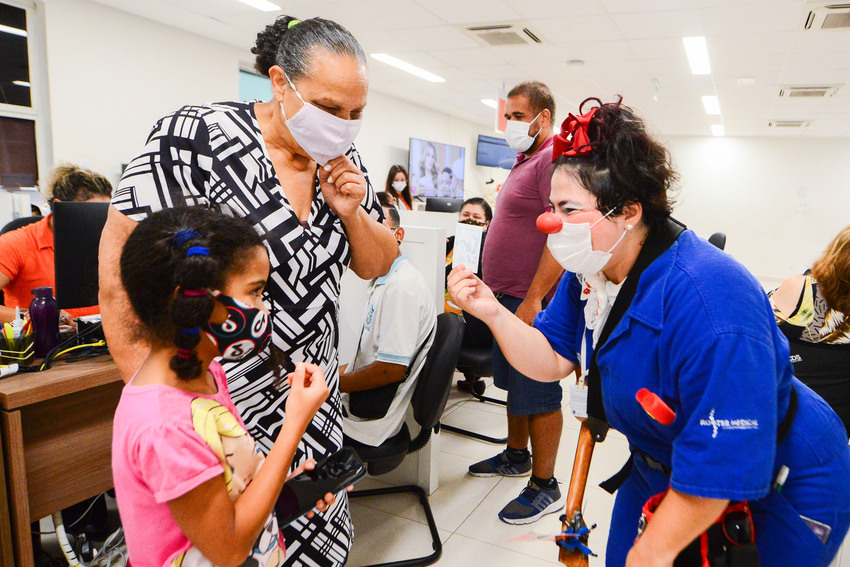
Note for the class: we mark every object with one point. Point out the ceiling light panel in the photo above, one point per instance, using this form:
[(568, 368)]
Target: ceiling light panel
[(697, 51), (711, 105), (408, 67)]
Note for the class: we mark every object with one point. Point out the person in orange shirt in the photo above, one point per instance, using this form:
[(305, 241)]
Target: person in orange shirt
[(26, 254)]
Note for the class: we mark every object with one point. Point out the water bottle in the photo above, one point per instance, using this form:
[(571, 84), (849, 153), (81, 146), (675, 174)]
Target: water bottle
[(44, 314)]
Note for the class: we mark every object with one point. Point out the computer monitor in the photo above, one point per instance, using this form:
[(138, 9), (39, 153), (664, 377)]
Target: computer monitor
[(436, 170), (76, 237), (442, 205), (494, 152)]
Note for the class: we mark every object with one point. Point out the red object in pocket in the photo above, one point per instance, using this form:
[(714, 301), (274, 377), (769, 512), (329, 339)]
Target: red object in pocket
[(655, 407)]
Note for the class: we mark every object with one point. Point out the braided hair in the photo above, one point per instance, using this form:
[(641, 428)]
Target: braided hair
[(624, 164), (167, 265)]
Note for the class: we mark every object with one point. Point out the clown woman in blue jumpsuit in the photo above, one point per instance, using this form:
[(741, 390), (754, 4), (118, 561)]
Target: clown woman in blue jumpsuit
[(700, 334)]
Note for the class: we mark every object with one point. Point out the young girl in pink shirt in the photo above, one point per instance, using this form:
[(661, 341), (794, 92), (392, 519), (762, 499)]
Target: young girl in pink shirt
[(192, 487)]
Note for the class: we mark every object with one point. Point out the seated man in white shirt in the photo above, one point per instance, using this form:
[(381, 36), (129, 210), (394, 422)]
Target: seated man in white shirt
[(398, 330)]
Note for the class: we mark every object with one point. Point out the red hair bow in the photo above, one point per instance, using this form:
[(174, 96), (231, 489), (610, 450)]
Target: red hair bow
[(573, 139)]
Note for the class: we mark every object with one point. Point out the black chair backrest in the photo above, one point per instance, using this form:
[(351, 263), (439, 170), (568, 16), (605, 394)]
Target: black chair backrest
[(18, 223), (14, 225), (718, 239), (435, 379)]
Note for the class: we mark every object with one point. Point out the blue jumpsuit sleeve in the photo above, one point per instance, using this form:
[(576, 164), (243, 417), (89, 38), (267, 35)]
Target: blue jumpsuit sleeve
[(727, 391), (563, 319)]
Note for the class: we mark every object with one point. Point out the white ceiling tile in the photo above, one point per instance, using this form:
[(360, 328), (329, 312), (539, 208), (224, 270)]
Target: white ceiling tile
[(817, 42), (439, 37), (470, 57), (382, 41), (624, 44), (556, 8), (386, 15), (592, 52), (578, 28), (653, 25), (455, 12), (522, 55), (630, 6), (752, 19)]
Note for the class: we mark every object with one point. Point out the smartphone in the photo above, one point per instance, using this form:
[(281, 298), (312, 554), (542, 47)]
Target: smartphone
[(332, 474)]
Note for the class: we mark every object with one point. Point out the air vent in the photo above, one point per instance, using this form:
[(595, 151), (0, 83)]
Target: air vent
[(504, 34), (827, 16), (789, 123), (804, 91)]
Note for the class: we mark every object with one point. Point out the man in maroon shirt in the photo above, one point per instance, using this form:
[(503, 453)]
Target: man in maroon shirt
[(519, 269)]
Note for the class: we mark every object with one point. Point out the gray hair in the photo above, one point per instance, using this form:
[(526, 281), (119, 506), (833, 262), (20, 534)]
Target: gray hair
[(291, 43)]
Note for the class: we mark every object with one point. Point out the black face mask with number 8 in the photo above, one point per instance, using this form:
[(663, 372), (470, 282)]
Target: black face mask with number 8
[(246, 331)]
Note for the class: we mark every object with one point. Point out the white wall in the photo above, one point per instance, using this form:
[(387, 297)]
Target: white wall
[(779, 200), (111, 75), (389, 123)]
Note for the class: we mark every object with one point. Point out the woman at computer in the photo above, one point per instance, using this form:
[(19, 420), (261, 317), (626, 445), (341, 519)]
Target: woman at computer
[(398, 185), (26, 254), (289, 166)]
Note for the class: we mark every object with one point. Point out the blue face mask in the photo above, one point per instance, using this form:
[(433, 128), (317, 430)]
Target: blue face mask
[(246, 331)]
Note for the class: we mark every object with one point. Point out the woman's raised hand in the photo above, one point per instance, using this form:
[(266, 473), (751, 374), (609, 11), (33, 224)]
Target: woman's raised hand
[(471, 294), (308, 391), (343, 186)]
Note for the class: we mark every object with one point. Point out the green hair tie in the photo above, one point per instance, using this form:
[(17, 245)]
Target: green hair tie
[(292, 24)]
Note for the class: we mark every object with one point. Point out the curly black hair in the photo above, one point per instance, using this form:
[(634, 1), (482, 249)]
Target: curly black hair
[(625, 164), (290, 43), (156, 270)]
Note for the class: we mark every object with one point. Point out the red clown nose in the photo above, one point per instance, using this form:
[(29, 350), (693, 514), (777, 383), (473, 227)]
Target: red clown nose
[(549, 223)]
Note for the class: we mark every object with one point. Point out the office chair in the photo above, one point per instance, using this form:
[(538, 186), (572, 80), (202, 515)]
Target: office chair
[(718, 239), (475, 363), (18, 223), (429, 399), (13, 225)]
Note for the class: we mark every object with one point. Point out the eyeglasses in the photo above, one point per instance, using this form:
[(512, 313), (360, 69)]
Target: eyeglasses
[(738, 524)]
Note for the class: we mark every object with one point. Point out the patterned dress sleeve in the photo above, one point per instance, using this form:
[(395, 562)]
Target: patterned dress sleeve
[(370, 202), (174, 169)]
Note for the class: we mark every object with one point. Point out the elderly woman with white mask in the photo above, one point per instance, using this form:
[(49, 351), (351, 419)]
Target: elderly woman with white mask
[(289, 166)]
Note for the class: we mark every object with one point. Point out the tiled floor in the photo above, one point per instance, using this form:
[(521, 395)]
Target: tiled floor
[(393, 527)]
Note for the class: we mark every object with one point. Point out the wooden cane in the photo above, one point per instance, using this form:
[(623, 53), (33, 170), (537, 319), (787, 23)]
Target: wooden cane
[(575, 495)]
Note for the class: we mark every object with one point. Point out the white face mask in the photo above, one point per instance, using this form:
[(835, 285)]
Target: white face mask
[(399, 185), (572, 248), (322, 135), (516, 134)]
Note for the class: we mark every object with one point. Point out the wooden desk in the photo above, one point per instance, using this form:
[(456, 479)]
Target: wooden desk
[(56, 431)]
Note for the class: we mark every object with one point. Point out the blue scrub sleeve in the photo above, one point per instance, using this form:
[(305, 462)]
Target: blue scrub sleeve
[(562, 320), (728, 389)]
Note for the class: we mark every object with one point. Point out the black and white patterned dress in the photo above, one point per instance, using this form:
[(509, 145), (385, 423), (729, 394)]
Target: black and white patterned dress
[(215, 155)]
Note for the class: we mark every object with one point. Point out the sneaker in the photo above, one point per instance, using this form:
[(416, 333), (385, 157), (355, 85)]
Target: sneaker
[(501, 465), (532, 504)]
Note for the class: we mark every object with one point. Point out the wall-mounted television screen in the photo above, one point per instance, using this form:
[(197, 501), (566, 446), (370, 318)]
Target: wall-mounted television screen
[(494, 152), (436, 170)]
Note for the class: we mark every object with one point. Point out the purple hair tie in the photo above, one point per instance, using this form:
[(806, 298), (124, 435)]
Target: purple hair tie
[(198, 251), (184, 353), (181, 237), (190, 330), (195, 293)]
